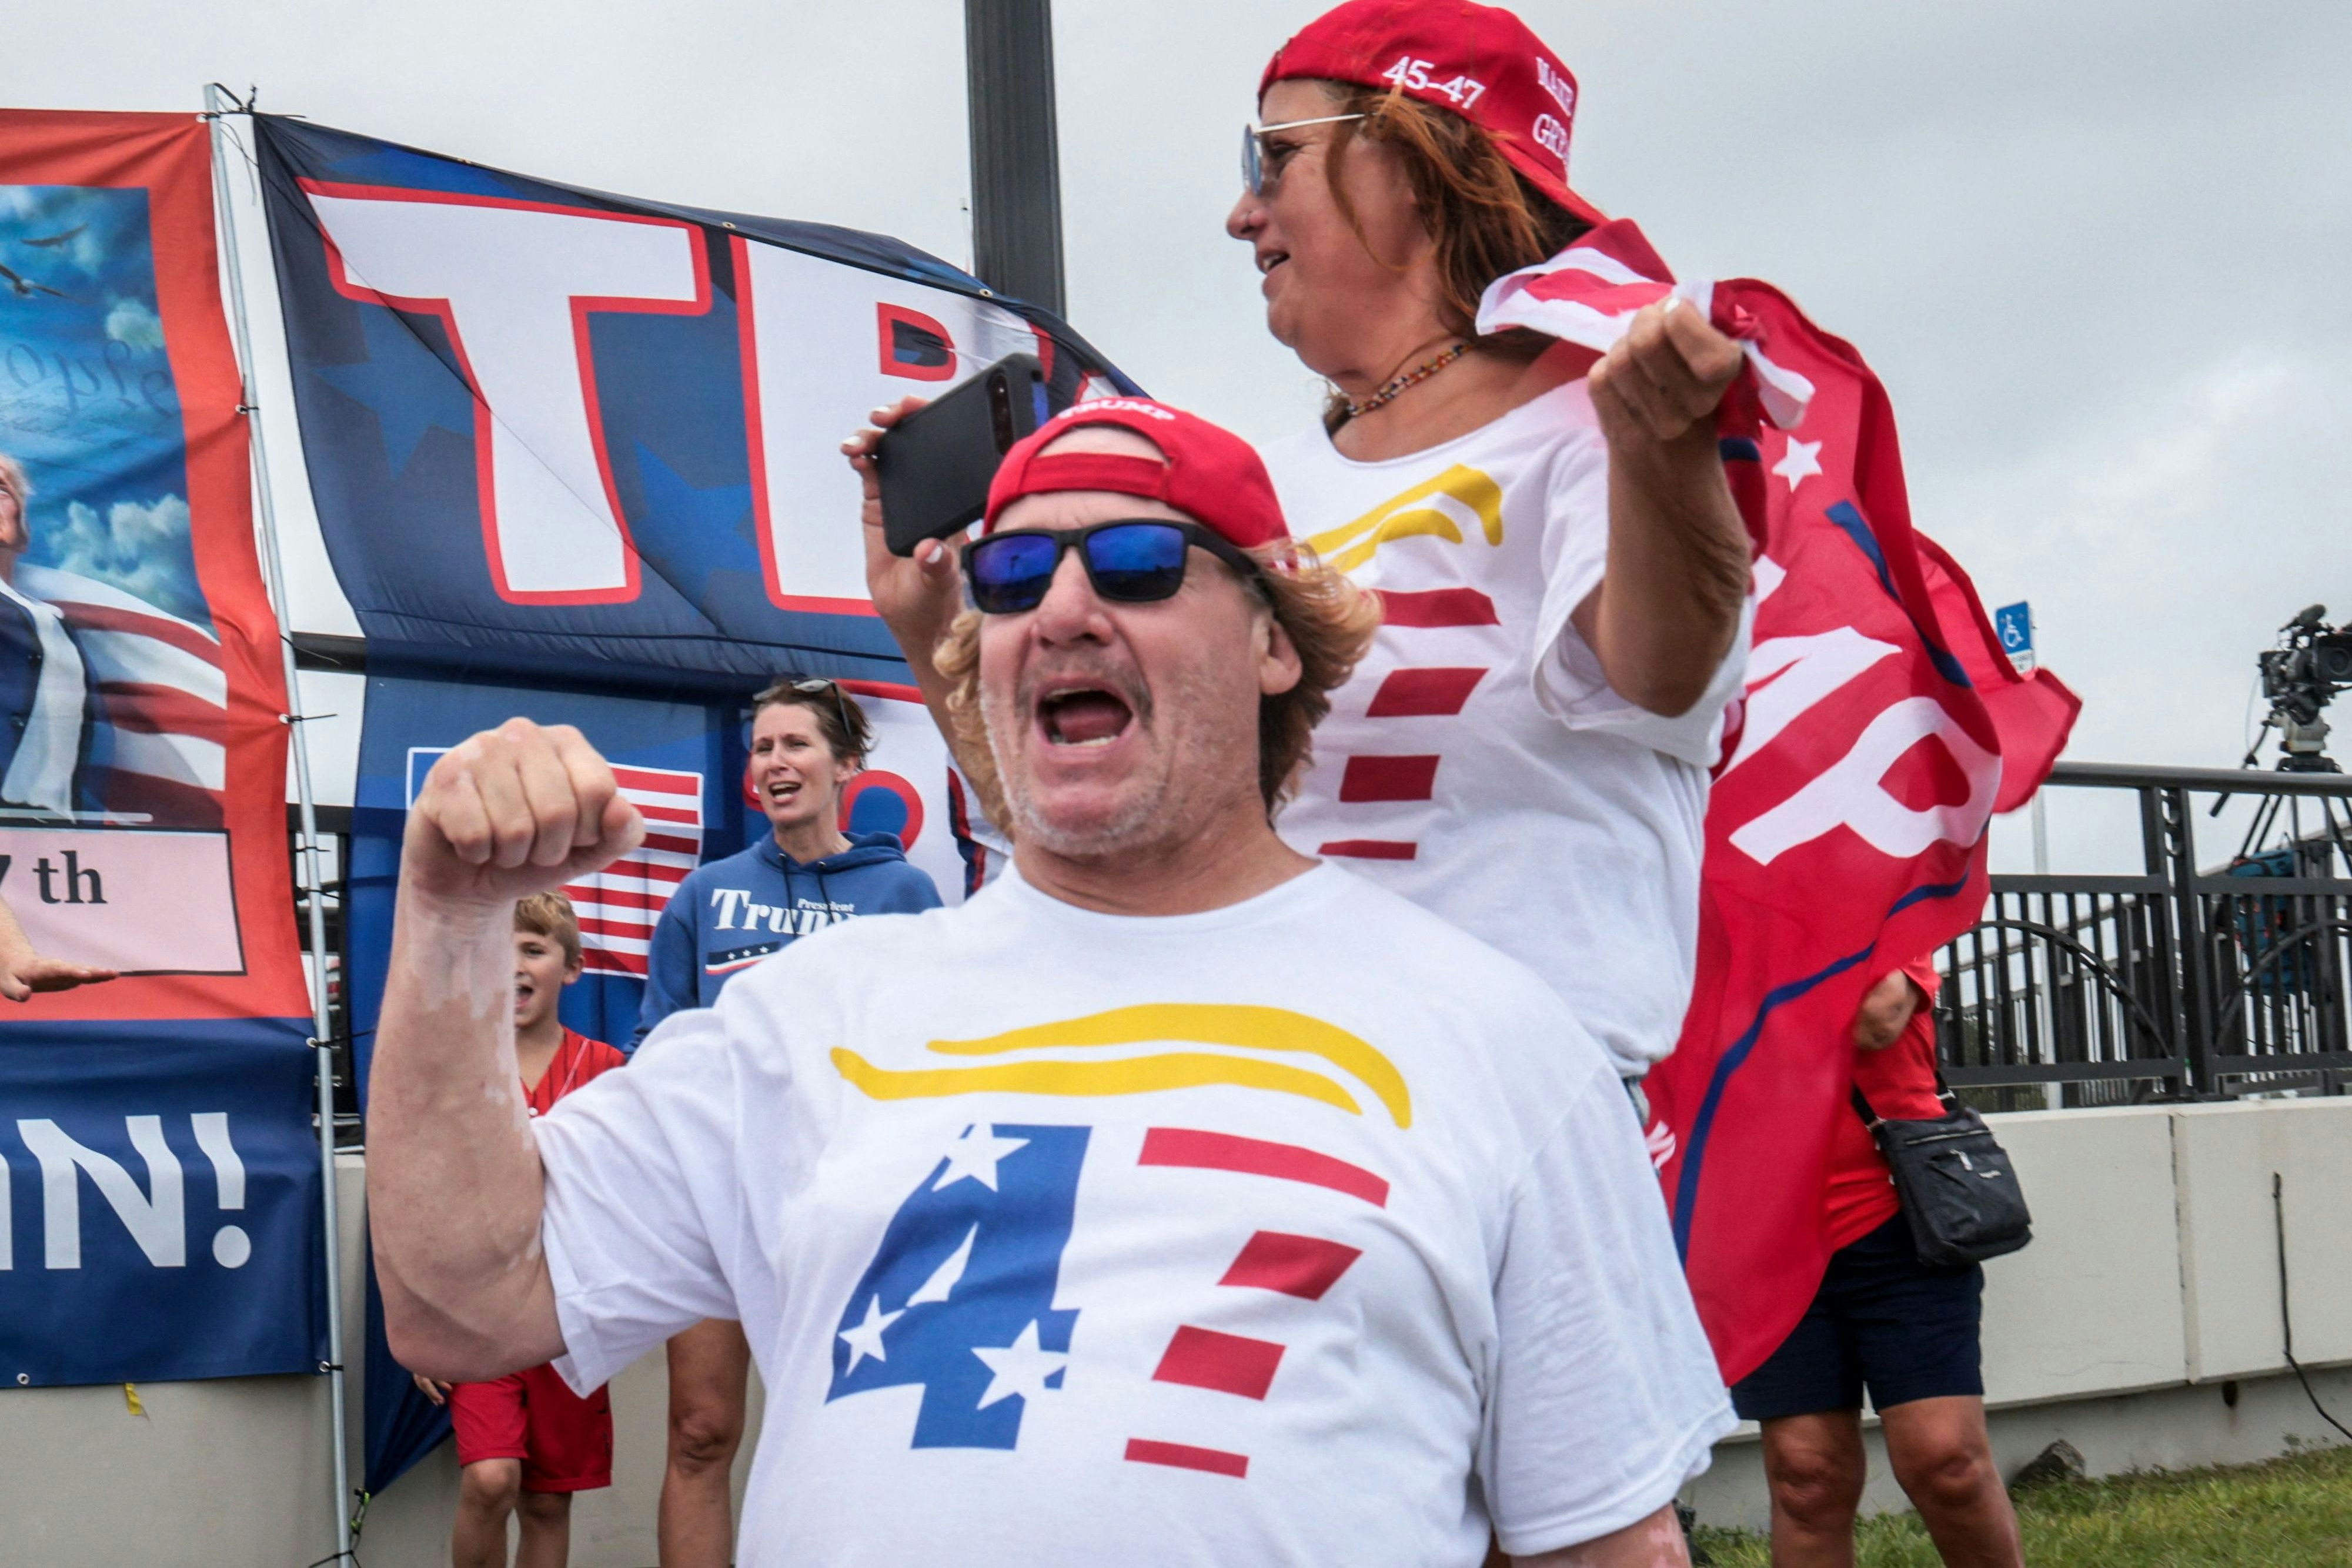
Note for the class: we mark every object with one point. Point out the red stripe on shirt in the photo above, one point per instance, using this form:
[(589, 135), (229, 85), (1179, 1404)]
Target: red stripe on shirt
[(1437, 607), (1197, 1150), (1185, 1457), (1371, 848), (1227, 1363), (1301, 1266), (1417, 692), (1369, 778)]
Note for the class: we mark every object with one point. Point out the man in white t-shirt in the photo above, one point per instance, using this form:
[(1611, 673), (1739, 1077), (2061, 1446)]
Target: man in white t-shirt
[(1178, 1199)]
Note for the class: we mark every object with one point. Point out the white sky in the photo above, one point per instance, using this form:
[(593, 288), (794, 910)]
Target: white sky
[(2095, 249)]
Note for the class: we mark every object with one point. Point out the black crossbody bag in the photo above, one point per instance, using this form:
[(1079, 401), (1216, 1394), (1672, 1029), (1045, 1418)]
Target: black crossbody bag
[(1954, 1181)]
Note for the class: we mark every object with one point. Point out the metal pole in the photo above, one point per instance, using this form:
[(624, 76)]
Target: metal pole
[(217, 104), (1016, 179), (2041, 838)]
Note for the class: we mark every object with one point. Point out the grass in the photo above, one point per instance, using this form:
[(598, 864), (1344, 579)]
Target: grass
[(2294, 1513)]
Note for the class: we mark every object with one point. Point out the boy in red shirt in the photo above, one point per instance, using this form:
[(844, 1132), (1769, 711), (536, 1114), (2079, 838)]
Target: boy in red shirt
[(526, 1440)]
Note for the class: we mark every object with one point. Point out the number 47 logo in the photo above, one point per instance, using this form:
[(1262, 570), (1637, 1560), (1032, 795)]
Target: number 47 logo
[(1415, 74)]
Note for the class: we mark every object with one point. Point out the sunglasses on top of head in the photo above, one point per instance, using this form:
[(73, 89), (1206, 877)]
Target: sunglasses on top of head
[(810, 686), (1129, 561), (1260, 175)]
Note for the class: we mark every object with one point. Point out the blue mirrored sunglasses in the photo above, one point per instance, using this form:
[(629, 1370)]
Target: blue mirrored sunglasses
[(1129, 561)]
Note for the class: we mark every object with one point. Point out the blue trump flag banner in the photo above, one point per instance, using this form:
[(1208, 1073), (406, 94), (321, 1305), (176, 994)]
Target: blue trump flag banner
[(160, 1199), (554, 433), (576, 456)]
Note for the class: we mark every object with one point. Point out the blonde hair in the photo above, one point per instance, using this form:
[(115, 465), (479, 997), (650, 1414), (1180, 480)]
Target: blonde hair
[(1328, 620), (550, 915), (12, 474)]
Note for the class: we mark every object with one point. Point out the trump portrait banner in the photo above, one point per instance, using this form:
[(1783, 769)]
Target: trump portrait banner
[(1881, 729), (159, 1177)]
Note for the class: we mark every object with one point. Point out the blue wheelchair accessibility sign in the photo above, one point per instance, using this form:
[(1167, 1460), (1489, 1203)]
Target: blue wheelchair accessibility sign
[(2014, 624)]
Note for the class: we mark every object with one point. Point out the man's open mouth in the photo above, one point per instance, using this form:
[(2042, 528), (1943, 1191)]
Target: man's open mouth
[(1083, 716)]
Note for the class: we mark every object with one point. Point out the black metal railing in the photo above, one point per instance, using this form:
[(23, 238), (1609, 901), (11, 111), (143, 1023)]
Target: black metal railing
[(2174, 982)]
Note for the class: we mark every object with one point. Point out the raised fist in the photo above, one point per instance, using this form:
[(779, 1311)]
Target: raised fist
[(515, 811), (1663, 377)]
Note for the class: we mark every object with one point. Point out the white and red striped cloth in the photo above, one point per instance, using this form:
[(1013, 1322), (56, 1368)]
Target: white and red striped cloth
[(158, 696), (619, 905), (1590, 293)]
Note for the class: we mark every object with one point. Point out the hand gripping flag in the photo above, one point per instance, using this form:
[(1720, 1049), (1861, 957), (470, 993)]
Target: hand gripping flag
[(1845, 831)]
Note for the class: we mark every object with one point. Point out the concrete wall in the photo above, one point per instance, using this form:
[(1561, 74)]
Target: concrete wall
[(2142, 1325)]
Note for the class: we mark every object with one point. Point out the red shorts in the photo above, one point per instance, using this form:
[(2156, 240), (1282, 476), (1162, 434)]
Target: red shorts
[(565, 1442)]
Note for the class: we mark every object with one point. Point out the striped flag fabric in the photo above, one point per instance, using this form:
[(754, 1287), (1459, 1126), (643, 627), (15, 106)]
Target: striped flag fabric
[(158, 712), (619, 905), (1879, 731)]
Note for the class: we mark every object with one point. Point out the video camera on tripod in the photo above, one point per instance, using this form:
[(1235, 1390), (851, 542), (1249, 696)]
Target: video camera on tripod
[(2312, 663)]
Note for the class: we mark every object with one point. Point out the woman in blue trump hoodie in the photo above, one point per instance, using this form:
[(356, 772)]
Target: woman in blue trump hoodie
[(809, 738), (803, 876)]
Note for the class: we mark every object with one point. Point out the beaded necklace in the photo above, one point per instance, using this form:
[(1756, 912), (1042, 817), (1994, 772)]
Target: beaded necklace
[(1419, 372)]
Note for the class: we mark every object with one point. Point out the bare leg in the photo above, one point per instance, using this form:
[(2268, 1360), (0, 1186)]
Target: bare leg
[(487, 1490), (708, 1366), (1814, 1466), (546, 1530), (1943, 1456)]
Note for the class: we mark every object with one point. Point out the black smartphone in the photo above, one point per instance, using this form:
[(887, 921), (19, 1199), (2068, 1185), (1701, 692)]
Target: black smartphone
[(936, 465)]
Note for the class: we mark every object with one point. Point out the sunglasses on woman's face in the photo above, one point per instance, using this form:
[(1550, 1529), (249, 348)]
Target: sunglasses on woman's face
[(1129, 561), (1259, 173)]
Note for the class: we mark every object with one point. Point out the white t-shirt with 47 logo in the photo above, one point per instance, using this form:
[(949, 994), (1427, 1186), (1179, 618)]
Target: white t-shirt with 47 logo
[(1478, 762)]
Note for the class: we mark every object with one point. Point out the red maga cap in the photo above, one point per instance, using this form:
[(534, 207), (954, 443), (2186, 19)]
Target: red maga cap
[(1480, 61), (1211, 475)]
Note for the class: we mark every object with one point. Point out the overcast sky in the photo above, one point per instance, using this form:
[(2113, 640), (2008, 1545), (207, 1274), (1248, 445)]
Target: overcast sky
[(2098, 251)]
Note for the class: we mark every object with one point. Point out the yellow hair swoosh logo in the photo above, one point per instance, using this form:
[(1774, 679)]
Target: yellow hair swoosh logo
[(1420, 510), (1239, 1027)]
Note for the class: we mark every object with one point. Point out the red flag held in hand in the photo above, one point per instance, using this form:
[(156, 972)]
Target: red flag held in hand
[(1881, 729)]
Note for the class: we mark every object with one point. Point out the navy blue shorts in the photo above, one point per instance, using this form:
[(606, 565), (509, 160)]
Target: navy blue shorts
[(1883, 1319)]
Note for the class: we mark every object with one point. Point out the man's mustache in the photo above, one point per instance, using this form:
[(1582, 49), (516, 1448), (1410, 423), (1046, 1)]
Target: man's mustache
[(1117, 677)]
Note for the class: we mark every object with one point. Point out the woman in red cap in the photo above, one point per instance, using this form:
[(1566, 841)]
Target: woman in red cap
[(1525, 750), (1564, 572)]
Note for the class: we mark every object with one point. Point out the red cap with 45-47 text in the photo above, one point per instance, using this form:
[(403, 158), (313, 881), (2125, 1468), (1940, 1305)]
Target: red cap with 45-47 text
[(1480, 61), (1211, 475)]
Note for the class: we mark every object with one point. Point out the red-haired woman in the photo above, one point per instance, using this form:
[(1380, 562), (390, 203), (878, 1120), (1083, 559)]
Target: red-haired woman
[(1525, 751)]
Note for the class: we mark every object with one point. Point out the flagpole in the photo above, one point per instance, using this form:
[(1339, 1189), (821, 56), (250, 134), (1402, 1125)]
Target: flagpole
[(218, 104)]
